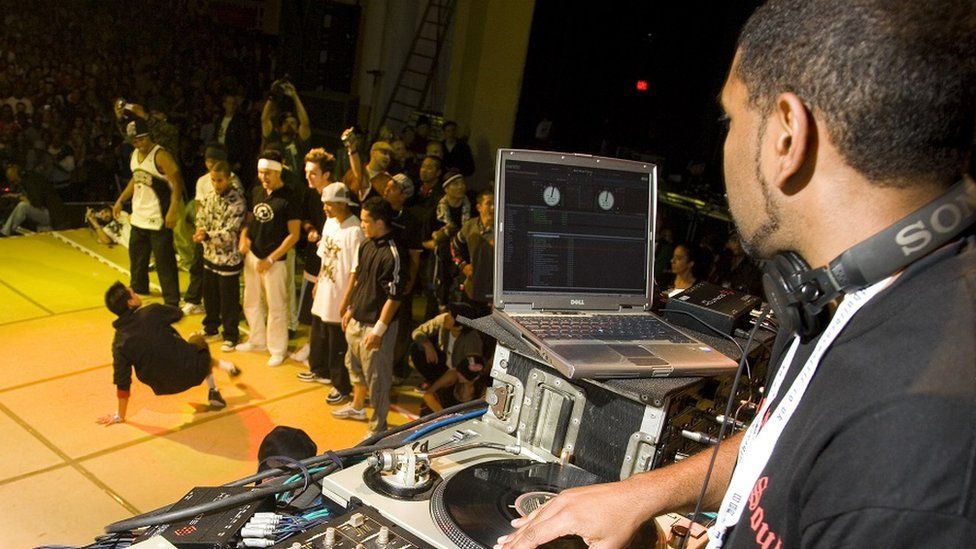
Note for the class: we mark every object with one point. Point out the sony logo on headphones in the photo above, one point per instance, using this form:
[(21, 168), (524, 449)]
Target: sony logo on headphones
[(944, 220), (576, 302)]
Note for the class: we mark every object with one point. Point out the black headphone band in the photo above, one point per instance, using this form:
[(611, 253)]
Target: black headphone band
[(799, 295), (914, 236)]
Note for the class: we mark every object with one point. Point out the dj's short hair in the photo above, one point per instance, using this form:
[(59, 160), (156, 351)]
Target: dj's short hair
[(893, 80)]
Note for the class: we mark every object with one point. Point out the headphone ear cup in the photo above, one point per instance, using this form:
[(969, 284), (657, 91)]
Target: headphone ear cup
[(792, 313)]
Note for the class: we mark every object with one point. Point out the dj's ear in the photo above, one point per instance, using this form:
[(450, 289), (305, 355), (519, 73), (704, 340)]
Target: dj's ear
[(793, 129)]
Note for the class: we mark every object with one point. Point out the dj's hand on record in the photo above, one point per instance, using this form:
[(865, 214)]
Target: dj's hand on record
[(604, 515)]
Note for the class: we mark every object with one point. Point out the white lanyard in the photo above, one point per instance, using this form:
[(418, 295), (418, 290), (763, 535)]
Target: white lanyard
[(760, 438)]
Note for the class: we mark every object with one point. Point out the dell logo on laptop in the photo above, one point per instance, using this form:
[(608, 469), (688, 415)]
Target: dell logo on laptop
[(576, 302)]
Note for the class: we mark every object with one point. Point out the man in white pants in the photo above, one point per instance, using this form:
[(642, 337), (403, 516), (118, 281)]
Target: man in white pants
[(271, 229)]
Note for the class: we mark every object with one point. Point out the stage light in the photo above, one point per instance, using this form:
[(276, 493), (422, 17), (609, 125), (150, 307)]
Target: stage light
[(642, 85)]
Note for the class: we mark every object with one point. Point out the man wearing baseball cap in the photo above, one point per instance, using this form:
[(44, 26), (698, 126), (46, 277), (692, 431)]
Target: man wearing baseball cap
[(408, 232), (156, 191), (337, 248)]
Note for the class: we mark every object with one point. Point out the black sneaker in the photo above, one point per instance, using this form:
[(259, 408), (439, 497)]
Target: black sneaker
[(335, 397), (216, 401)]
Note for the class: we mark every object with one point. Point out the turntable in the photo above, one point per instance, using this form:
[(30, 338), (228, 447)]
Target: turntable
[(459, 488), (460, 472), (476, 506)]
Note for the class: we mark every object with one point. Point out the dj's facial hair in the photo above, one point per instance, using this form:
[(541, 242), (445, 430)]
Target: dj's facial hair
[(756, 245)]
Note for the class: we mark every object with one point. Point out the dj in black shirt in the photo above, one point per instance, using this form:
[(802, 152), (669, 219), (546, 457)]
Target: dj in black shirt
[(881, 451)]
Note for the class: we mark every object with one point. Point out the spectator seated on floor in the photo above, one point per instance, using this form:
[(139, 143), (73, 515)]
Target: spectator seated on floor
[(464, 383), (442, 343), (38, 202), (109, 230)]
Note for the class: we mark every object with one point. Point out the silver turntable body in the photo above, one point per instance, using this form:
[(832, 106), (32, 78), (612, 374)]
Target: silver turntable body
[(415, 516), (533, 413)]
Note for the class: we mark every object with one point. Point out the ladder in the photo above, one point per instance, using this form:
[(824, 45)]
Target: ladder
[(419, 70)]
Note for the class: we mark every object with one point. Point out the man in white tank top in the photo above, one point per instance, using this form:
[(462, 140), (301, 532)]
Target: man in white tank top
[(156, 191)]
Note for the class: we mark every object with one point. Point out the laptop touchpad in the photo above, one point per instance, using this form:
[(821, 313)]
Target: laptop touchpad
[(631, 351), (586, 353)]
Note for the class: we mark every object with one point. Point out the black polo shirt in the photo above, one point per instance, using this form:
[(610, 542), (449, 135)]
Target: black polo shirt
[(270, 214)]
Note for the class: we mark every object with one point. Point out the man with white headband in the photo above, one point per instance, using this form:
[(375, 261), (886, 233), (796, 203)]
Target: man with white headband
[(271, 229)]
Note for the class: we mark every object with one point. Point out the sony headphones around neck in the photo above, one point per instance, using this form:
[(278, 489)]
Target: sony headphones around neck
[(799, 295)]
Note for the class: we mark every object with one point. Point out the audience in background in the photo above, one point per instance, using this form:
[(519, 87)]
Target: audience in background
[(442, 343), (473, 251), (62, 68), (457, 153)]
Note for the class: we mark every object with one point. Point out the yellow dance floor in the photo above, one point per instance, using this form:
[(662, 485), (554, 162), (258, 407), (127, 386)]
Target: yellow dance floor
[(62, 476)]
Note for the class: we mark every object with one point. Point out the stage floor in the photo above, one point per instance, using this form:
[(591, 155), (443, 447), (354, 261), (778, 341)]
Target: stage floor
[(62, 476)]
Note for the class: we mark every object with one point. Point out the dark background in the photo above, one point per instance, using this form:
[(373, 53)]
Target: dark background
[(583, 63)]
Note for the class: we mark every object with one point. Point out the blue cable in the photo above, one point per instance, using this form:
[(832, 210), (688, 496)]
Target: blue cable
[(444, 423)]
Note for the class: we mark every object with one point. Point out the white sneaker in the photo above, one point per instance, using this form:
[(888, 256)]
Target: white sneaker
[(301, 355), (276, 360), (192, 309), (228, 346), (348, 412), (248, 347)]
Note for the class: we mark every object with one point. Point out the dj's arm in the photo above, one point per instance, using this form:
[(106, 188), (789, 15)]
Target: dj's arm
[(627, 504)]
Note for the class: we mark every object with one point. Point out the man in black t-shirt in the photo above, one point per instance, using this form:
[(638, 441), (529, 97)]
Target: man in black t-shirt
[(271, 229), (844, 119), (408, 233)]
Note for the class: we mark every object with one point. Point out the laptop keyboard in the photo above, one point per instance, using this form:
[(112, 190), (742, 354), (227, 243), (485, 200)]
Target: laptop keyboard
[(603, 327)]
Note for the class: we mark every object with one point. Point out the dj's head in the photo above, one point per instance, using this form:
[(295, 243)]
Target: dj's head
[(892, 80), (875, 91)]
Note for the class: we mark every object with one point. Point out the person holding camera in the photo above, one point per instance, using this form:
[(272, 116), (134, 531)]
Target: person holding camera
[(156, 191), (285, 127), (368, 179)]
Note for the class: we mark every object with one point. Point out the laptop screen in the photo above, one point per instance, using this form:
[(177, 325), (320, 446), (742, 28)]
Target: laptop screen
[(573, 226)]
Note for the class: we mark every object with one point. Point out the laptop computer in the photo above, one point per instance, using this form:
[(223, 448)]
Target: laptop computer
[(574, 267)]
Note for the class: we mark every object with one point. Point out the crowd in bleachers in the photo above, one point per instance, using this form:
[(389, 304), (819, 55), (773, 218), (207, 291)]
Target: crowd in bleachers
[(63, 65)]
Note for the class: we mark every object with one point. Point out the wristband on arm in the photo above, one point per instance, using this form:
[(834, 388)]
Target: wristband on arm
[(379, 328)]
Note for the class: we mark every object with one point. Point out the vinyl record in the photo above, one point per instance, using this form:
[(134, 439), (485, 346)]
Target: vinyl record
[(476, 506)]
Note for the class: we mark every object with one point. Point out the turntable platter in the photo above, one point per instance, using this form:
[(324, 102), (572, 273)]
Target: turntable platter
[(476, 506)]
